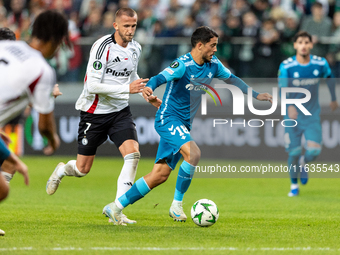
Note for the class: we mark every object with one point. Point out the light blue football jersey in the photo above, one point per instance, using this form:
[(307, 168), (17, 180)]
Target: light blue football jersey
[(293, 74), (181, 98)]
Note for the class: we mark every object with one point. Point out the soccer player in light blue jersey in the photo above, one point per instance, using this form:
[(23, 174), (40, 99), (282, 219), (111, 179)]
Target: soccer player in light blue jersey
[(304, 70), (174, 118)]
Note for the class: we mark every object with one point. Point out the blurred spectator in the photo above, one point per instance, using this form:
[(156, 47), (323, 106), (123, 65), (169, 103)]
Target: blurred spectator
[(267, 50), (239, 7), (189, 26), (88, 5), (107, 26), (17, 16), (35, 8), (153, 53), (295, 6), (75, 55), (215, 23), (291, 28), (198, 11), (171, 29), (3, 16), (278, 15), (261, 8), (93, 24), (250, 29), (318, 26), (179, 12), (146, 20), (334, 58), (232, 26)]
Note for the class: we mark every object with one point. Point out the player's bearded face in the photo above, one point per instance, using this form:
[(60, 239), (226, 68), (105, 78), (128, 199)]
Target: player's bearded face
[(303, 46), (126, 27), (209, 49)]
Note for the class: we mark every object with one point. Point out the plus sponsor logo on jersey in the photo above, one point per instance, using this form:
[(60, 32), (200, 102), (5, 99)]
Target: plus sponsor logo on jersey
[(124, 73)]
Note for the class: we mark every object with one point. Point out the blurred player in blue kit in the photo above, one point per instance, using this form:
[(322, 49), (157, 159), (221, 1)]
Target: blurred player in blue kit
[(174, 118), (304, 70)]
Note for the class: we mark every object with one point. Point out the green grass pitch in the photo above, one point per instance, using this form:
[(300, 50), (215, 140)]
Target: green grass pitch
[(256, 216)]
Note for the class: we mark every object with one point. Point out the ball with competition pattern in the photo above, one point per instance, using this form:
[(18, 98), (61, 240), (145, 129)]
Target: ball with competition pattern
[(204, 213)]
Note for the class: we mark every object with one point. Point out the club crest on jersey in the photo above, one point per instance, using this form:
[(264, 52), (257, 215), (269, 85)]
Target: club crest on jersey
[(134, 57), (97, 65), (174, 64)]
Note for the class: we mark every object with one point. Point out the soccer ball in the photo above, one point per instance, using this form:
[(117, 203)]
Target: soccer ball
[(204, 213)]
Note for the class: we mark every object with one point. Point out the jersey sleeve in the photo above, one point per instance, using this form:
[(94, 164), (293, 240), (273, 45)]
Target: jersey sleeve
[(95, 71), (175, 71), (40, 91), (327, 73), (222, 71), (282, 76), (326, 70)]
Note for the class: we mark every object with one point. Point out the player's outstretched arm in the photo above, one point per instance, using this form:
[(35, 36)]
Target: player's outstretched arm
[(138, 85), (265, 97), (19, 166), (47, 128), (150, 98), (56, 91)]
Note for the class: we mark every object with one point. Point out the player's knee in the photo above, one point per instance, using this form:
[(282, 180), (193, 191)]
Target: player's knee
[(313, 151), (195, 156)]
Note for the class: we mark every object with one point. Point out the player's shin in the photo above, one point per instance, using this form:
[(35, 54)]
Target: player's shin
[(185, 174), (293, 159), (137, 191), (127, 174)]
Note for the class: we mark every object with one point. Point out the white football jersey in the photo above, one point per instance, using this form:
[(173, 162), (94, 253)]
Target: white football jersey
[(114, 67), (25, 77)]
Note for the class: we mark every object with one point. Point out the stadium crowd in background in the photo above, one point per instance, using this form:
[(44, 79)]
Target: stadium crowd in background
[(269, 26)]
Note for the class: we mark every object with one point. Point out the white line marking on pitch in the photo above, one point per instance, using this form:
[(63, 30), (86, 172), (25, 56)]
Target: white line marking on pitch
[(174, 249)]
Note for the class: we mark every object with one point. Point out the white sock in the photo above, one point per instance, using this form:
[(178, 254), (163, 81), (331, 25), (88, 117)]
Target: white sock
[(294, 186), (7, 176), (176, 201), (127, 174), (119, 205), (70, 169)]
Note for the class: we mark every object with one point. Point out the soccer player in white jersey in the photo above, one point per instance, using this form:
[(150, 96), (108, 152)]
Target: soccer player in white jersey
[(110, 77), (26, 78)]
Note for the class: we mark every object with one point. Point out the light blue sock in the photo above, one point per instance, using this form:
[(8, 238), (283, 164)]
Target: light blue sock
[(137, 191), (185, 174), (293, 159)]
